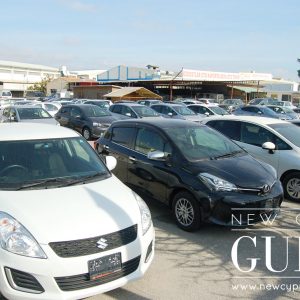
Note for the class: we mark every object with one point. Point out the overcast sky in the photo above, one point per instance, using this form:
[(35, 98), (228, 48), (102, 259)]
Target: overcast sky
[(210, 35)]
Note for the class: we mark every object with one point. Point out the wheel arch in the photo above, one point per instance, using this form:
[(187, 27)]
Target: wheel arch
[(288, 172)]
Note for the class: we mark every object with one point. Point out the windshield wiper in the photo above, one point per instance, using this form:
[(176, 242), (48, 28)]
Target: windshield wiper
[(83, 179), (42, 182), (229, 154)]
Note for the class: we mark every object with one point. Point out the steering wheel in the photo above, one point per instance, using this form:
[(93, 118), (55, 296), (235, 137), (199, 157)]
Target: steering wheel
[(13, 167)]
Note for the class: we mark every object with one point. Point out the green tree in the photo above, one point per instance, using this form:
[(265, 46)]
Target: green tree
[(40, 86)]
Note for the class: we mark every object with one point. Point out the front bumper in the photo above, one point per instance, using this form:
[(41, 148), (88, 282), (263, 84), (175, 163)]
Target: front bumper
[(243, 209), (67, 278)]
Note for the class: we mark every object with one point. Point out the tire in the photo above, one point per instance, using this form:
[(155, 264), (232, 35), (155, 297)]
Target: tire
[(291, 186), (186, 211), (86, 132)]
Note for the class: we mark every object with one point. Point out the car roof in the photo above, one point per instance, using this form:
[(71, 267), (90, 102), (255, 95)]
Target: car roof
[(32, 131), (169, 104), (129, 104), (254, 119), (157, 122)]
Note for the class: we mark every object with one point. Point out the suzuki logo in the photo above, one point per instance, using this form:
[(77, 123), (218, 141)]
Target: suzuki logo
[(102, 243)]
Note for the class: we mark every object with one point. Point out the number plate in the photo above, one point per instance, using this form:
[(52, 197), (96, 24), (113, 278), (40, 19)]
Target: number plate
[(104, 266)]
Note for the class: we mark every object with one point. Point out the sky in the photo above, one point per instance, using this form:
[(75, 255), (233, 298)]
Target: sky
[(210, 35)]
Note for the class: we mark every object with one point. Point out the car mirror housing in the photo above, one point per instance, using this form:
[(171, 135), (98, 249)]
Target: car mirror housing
[(111, 162), (269, 146), (156, 155)]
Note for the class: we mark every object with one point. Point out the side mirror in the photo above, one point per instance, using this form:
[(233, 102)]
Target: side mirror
[(128, 114), (156, 155), (269, 146), (170, 114), (111, 162), (207, 114)]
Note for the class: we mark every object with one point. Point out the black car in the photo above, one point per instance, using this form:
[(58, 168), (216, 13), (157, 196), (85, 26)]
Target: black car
[(201, 174), (88, 119), (133, 110)]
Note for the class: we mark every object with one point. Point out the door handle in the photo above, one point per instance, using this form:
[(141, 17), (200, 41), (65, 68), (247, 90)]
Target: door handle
[(132, 158)]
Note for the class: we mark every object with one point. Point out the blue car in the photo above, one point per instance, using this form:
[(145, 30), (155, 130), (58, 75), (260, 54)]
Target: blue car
[(258, 111)]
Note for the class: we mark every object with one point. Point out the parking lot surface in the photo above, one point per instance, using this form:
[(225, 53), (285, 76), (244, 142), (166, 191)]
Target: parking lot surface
[(199, 265)]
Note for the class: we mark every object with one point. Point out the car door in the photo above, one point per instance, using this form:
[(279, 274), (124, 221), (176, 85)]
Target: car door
[(63, 116), (76, 120), (150, 177)]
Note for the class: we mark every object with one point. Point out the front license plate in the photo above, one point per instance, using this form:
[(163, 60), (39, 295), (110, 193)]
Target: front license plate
[(104, 266)]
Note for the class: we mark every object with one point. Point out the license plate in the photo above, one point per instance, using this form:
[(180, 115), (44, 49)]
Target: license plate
[(104, 266)]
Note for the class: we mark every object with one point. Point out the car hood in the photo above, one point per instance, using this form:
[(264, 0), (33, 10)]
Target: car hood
[(44, 121), (104, 120), (241, 170), (74, 212), (194, 118)]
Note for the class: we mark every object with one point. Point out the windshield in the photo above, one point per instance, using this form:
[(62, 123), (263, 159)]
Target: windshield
[(29, 113), (48, 163), (144, 111), (95, 111), (289, 131), (183, 110), (202, 142), (218, 110)]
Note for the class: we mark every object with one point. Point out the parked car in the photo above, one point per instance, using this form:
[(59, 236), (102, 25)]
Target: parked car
[(5, 94), (285, 111), (88, 119), (191, 168), (258, 111), (176, 111), (231, 105), (23, 113), (208, 101), (285, 104), (65, 233), (275, 142), (101, 103), (263, 101), (51, 107), (149, 102), (34, 95), (133, 110), (207, 110)]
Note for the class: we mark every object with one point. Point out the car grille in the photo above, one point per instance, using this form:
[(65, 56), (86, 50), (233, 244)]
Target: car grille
[(82, 281), (89, 246), (24, 281)]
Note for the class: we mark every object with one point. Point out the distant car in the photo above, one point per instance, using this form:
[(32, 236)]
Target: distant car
[(23, 113), (34, 95), (100, 103), (5, 94), (231, 104), (208, 110), (88, 119), (208, 101), (285, 111), (133, 110), (191, 101), (285, 104), (51, 107), (263, 101), (258, 111), (149, 102), (176, 111), (275, 142)]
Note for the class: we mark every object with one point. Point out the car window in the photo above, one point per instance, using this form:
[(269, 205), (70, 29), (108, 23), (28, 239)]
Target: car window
[(166, 110), (65, 110), (183, 110), (32, 113), (116, 109), (148, 140), (232, 129), (126, 111), (157, 108), (144, 111), (75, 112), (50, 107), (123, 136)]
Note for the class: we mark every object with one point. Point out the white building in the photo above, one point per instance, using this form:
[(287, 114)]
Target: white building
[(17, 77)]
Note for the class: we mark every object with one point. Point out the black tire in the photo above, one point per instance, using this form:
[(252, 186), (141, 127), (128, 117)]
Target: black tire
[(186, 211), (291, 186), (86, 132)]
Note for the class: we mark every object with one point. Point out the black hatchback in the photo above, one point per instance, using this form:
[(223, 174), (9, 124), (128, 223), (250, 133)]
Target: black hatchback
[(201, 174), (88, 119)]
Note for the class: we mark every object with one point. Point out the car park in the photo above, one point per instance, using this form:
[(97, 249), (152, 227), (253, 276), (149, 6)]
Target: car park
[(191, 168), (258, 111), (133, 110), (207, 110), (88, 119), (176, 111), (285, 111), (275, 142), (24, 113), (65, 233)]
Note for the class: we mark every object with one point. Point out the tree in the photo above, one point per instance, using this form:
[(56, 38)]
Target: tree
[(41, 86)]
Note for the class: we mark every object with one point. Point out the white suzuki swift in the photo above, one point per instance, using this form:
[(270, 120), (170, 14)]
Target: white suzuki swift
[(69, 229)]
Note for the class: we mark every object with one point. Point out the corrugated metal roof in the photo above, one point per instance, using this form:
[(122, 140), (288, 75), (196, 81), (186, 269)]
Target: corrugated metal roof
[(13, 64)]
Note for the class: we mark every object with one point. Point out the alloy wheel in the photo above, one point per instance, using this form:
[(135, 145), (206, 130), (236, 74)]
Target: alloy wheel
[(184, 212)]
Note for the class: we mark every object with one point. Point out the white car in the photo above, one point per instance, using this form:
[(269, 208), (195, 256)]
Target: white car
[(69, 229), (273, 141), (51, 107)]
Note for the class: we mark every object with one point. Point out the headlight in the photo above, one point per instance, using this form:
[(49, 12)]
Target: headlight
[(95, 124), (16, 239), (145, 213), (216, 184)]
